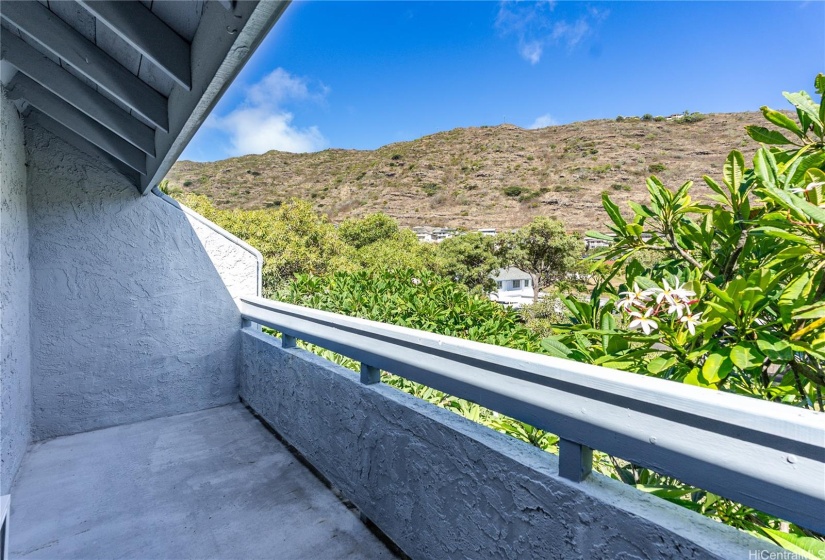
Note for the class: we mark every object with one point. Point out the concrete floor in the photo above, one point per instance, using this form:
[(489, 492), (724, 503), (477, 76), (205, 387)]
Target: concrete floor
[(209, 484)]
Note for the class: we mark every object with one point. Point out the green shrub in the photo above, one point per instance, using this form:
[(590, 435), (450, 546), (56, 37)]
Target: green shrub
[(513, 191), (430, 189), (656, 167), (688, 117), (647, 117)]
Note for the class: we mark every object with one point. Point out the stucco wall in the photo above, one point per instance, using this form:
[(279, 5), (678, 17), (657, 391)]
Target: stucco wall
[(441, 486), (130, 319), (238, 264), (15, 375)]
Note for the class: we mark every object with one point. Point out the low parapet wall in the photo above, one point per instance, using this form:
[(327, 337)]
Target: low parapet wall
[(441, 486)]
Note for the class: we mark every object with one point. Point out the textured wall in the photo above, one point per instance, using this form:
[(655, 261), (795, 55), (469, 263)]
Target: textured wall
[(15, 375), (130, 320), (443, 487), (238, 264)]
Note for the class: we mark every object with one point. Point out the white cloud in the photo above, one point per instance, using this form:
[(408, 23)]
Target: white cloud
[(531, 51), (543, 121), (261, 123), (536, 26)]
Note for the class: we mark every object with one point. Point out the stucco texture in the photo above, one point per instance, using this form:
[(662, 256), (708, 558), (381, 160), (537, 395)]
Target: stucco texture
[(441, 486), (15, 375), (237, 267), (130, 320)]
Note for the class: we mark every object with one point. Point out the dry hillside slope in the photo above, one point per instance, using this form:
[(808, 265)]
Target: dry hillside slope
[(499, 176)]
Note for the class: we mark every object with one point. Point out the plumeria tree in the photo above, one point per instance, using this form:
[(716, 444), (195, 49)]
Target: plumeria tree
[(737, 300)]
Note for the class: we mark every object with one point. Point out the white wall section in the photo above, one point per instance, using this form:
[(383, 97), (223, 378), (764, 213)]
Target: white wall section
[(130, 319), (15, 362)]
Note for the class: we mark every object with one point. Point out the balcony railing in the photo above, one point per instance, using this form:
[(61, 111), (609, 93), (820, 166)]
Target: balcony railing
[(765, 455)]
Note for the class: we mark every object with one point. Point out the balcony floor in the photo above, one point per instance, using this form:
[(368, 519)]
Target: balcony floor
[(209, 484)]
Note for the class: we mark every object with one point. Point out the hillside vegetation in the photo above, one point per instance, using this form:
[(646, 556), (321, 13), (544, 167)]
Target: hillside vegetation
[(500, 176)]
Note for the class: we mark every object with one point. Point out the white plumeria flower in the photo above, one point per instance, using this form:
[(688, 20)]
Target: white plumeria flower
[(691, 321), (644, 322), (680, 292), (666, 294), (809, 188), (675, 294), (676, 307), (416, 281), (637, 296)]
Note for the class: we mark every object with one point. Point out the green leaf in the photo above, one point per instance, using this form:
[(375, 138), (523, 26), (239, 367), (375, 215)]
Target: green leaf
[(803, 102), (660, 364), (781, 120), (819, 84), (745, 357), (694, 377), (717, 366), (766, 136), (814, 311), (555, 348), (774, 348), (807, 547), (734, 170), (666, 492), (814, 212), (781, 234), (614, 213), (764, 167), (597, 235), (792, 295)]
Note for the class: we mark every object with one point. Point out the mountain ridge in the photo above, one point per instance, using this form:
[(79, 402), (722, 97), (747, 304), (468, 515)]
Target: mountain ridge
[(491, 176)]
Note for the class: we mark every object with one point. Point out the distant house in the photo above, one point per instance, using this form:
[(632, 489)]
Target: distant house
[(591, 243), (513, 287), (490, 232), (440, 234)]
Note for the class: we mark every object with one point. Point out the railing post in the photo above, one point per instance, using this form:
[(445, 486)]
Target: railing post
[(575, 460), (245, 323), (288, 341), (370, 375)]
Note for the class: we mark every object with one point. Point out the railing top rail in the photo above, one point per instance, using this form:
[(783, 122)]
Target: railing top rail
[(764, 454)]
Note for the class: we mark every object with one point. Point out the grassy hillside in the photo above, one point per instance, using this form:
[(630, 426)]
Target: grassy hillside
[(499, 176)]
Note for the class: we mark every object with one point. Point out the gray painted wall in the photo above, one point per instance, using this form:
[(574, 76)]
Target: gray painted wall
[(238, 263), (130, 319), (441, 486), (15, 373)]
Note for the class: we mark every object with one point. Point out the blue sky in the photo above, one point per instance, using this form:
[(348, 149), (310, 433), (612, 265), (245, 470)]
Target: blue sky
[(365, 74)]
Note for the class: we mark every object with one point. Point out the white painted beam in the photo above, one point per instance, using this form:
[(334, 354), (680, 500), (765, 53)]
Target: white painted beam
[(58, 37), (66, 86), (23, 87), (222, 44), (148, 34)]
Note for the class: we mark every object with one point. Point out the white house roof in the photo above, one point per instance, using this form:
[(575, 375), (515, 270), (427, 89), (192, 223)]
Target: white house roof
[(510, 273), (130, 80)]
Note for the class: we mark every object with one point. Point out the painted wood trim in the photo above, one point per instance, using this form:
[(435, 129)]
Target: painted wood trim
[(223, 43), (148, 34), (51, 76), (59, 38)]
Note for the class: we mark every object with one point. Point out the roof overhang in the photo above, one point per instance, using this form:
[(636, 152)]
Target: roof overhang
[(130, 80)]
